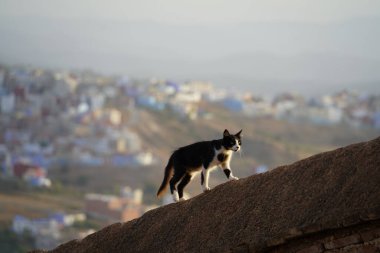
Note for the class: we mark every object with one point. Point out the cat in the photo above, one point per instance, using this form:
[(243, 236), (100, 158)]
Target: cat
[(201, 156)]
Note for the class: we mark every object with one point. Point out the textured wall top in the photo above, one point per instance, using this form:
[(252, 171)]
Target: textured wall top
[(326, 191)]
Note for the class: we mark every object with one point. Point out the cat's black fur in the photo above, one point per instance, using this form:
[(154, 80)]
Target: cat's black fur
[(200, 156)]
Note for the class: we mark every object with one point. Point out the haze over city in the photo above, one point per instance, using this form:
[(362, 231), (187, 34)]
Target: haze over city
[(97, 97), (262, 46)]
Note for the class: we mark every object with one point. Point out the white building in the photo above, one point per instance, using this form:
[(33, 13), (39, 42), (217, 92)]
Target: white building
[(135, 196), (37, 227), (7, 103)]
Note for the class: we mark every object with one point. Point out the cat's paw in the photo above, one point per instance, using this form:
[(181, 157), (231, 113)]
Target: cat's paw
[(182, 199), (206, 189), (175, 196), (234, 178)]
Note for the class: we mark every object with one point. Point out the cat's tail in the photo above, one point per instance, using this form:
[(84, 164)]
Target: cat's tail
[(168, 173)]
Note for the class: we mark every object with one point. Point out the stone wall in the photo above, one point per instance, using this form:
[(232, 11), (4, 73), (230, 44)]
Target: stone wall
[(329, 202), (364, 238)]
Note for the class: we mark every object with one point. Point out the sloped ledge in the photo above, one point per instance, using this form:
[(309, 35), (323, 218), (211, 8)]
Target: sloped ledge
[(317, 196)]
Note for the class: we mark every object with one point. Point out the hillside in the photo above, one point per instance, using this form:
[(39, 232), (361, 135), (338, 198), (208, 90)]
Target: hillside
[(265, 141), (327, 201)]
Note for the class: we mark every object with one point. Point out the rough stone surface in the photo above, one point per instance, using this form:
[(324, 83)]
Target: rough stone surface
[(312, 249), (327, 191), (341, 242)]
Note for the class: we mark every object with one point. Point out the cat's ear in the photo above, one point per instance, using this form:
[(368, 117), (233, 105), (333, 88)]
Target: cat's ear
[(239, 134), (226, 133)]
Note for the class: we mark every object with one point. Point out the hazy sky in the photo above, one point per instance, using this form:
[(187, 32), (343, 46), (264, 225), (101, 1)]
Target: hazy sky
[(267, 46), (196, 11)]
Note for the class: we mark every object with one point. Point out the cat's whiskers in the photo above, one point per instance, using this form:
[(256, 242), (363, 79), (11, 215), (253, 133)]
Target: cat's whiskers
[(241, 152)]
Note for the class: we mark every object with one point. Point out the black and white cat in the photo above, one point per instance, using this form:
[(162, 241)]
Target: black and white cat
[(201, 156)]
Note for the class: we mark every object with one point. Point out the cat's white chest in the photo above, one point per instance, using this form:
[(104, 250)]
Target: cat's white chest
[(221, 156)]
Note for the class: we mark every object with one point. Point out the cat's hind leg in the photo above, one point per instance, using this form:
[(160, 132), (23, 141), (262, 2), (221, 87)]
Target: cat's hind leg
[(185, 180), (175, 179)]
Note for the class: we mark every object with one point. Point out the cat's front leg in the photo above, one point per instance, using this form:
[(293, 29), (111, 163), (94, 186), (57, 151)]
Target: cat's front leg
[(229, 175), (233, 178), (204, 179), (228, 172)]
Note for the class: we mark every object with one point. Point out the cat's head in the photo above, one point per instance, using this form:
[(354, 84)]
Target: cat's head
[(231, 141)]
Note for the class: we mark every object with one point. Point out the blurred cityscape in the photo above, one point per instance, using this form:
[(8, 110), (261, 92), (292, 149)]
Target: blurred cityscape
[(54, 120)]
